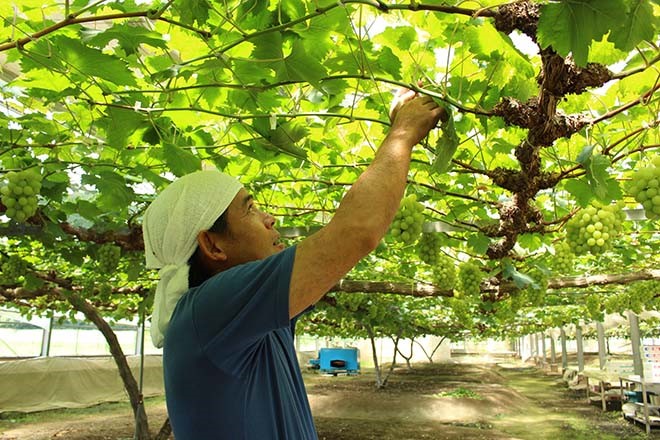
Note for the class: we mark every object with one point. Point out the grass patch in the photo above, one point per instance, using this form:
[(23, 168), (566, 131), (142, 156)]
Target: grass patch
[(460, 393), (14, 419)]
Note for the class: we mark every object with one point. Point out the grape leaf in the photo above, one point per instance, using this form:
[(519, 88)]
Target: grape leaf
[(446, 145), (602, 184), (93, 62), (194, 11), (180, 161), (478, 242), (570, 26), (637, 25), (580, 190)]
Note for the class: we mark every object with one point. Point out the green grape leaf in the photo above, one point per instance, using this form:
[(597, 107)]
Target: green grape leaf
[(519, 279), (637, 25), (604, 187), (478, 242), (530, 242), (570, 26), (93, 62), (300, 65), (114, 193), (283, 138), (580, 190), (180, 161), (446, 145), (585, 154), (129, 37), (194, 11), (31, 282), (292, 9), (120, 124)]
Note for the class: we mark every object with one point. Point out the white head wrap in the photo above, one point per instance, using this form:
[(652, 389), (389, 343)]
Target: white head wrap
[(170, 227)]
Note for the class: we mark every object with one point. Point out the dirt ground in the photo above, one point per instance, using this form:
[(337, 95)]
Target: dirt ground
[(465, 399)]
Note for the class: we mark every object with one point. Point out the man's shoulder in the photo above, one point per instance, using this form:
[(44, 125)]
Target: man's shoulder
[(249, 269)]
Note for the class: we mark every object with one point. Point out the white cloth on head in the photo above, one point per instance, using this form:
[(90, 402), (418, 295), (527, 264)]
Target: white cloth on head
[(189, 205)]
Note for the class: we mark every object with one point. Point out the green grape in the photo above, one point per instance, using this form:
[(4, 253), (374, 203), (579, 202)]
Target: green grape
[(444, 272), (593, 229), (429, 248), (594, 308), (13, 269), (105, 291), (19, 194), (637, 297), (407, 224), (469, 279), (563, 261), (645, 188), (108, 257), (534, 294), (461, 310)]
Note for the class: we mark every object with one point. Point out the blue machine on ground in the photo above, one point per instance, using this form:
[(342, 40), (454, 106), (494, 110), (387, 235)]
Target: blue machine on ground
[(337, 360)]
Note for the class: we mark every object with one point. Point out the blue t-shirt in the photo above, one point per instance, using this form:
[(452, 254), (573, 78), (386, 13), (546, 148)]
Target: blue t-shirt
[(229, 361)]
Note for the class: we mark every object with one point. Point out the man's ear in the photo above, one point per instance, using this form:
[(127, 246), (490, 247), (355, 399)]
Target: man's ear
[(209, 246)]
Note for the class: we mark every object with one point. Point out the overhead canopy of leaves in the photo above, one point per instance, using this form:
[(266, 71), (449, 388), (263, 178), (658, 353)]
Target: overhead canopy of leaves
[(112, 100)]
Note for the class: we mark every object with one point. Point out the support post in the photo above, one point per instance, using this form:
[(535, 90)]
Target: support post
[(553, 350), (542, 349), (602, 356), (564, 355), (45, 340), (635, 341), (580, 349)]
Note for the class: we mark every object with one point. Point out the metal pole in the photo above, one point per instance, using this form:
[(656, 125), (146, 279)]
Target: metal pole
[(542, 349), (580, 349), (602, 357), (635, 341), (553, 350), (564, 355), (141, 377), (45, 341)]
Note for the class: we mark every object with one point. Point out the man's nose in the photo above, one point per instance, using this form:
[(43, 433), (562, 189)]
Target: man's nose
[(269, 221)]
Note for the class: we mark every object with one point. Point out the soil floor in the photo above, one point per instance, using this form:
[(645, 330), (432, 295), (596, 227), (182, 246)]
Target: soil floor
[(470, 398)]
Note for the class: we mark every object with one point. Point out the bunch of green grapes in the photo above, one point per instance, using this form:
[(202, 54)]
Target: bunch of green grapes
[(534, 293), (594, 307), (469, 279), (429, 248), (19, 194), (407, 224), (13, 269), (637, 297), (645, 188), (620, 302), (444, 272), (593, 229), (108, 257), (105, 291), (643, 293), (564, 259), (461, 310)]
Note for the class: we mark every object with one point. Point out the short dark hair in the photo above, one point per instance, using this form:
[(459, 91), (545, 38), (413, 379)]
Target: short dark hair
[(198, 273)]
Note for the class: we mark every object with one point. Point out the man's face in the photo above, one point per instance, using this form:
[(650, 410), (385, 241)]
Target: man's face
[(251, 234)]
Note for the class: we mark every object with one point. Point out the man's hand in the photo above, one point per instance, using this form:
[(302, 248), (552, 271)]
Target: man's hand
[(414, 115)]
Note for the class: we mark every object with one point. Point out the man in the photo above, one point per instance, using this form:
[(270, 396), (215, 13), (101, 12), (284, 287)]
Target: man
[(229, 292)]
